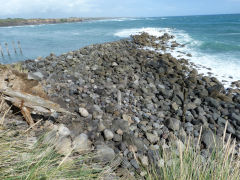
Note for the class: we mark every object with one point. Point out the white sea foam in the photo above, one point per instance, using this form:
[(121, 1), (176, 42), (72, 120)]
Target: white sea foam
[(8, 27), (152, 31), (222, 66), (76, 33), (31, 26), (149, 19)]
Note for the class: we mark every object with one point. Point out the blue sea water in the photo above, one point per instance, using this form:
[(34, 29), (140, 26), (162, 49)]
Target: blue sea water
[(213, 41)]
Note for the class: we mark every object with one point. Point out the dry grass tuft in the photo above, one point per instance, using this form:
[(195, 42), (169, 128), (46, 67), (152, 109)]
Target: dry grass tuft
[(18, 67), (187, 163)]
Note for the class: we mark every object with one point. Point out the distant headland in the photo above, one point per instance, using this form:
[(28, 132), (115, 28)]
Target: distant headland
[(21, 21)]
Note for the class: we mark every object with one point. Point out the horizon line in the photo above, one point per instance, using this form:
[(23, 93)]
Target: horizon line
[(123, 16)]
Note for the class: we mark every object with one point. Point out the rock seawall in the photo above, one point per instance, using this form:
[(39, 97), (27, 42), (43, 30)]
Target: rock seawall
[(132, 102)]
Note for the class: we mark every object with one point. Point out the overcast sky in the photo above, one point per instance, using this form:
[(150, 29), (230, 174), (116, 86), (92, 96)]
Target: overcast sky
[(114, 8)]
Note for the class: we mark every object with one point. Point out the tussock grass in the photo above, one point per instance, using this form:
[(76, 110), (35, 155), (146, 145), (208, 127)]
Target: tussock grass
[(19, 160), (223, 163)]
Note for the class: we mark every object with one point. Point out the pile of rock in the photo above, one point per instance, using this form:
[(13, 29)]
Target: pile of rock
[(132, 102)]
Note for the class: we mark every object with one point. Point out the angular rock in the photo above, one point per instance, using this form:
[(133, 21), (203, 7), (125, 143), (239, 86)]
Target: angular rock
[(152, 138), (209, 139), (35, 76), (131, 140), (144, 160), (80, 143), (127, 118), (117, 138), (105, 153), (63, 130), (64, 146), (101, 126), (136, 119), (134, 163), (197, 101), (120, 124), (83, 112), (222, 122), (175, 106), (235, 117), (173, 124), (120, 132), (108, 134), (204, 120), (213, 102)]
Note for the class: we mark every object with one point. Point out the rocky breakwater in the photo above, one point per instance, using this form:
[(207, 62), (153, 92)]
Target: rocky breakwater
[(130, 102), (20, 21)]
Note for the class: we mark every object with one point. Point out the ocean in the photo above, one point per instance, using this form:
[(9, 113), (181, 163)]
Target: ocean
[(212, 40)]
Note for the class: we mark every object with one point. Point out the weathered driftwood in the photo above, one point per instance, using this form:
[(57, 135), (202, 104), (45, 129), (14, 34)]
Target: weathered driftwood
[(26, 94), (27, 102), (31, 101)]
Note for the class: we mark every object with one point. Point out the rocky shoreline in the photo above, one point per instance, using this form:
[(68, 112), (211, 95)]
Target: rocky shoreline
[(130, 102), (23, 22)]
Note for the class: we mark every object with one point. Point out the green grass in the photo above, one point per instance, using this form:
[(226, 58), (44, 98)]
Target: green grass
[(21, 161), (187, 163)]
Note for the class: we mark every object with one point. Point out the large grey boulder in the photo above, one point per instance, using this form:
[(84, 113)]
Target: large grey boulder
[(63, 130), (173, 124), (105, 153), (80, 143), (35, 76), (235, 117), (64, 146), (209, 139)]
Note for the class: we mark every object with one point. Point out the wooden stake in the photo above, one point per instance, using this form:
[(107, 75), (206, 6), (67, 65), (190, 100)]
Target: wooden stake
[(13, 43), (1, 50), (19, 47), (6, 44)]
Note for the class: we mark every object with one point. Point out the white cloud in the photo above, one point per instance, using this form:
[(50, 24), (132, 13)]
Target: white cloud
[(39, 7)]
